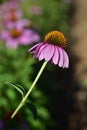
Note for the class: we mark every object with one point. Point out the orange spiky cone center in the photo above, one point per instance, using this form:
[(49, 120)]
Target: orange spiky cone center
[(56, 38), (15, 33)]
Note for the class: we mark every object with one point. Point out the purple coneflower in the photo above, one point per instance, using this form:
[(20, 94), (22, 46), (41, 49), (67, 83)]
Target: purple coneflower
[(52, 49), (12, 15), (13, 4), (17, 34)]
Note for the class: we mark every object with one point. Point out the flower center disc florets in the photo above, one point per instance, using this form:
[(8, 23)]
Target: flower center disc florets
[(15, 33), (12, 15), (56, 38)]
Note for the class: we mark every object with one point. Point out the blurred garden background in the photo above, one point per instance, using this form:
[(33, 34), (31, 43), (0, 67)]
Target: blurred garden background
[(60, 94)]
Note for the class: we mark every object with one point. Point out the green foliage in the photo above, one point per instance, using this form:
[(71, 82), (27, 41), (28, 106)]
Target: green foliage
[(16, 69), (54, 15), (32, 108)]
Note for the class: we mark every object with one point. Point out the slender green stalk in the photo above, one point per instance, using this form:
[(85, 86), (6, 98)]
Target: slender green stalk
[(30, 90)]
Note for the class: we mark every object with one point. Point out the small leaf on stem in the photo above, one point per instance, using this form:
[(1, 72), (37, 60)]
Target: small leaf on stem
[(18, 87)]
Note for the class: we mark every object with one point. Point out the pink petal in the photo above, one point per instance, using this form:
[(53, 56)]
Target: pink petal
[(61, 59), (5, 34), (12, 43), (38, 49), (21, 23), (55, 58), (8, 24), (47, 52), (18, 13), (35, 38), (33, 49), (41, 48), (66, 60), (32, 35), (12, 5), (28, 37), (23, 40), (40, 55)]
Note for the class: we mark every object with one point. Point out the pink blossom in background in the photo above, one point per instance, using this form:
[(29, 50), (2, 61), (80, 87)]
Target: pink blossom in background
[(9, 13), (12, 4), (30, 36), (16, 31), (36, 9), (51, 49), (18, 35), (20, 23), (12, 15)]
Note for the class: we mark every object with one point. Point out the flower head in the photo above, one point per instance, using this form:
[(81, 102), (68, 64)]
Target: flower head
[(12, 15), (16, 34), (36, 10), (11, 4), (52, 49)]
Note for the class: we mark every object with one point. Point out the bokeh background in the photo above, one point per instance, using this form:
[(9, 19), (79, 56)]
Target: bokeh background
[(60, 94)]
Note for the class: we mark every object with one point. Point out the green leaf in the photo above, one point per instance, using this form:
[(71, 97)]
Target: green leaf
[(33, 109), (18, 87)]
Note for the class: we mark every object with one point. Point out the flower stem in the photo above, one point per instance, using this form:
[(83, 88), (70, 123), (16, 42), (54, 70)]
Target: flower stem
[(30, 90)]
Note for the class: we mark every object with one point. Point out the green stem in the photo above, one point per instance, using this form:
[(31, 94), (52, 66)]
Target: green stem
[(30, 90)]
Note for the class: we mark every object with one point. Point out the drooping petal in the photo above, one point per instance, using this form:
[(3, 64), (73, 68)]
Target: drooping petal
[(55, 57), (37, 51), (33, 49), (66, 60), (47, 52), (61, 58), (39, 55), (41, 48)]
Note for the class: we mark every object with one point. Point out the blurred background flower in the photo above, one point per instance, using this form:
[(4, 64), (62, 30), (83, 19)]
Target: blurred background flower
[(14, 31), (13, 124), (36, 10), (16, 34)]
